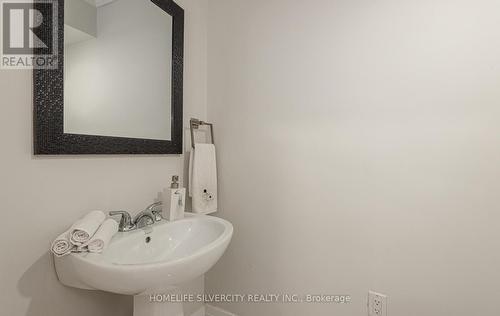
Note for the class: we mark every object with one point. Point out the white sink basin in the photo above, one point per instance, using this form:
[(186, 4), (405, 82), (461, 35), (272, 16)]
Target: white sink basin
[(149, 261)]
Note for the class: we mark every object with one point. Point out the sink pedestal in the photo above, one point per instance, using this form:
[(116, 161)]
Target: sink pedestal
[(148, 305)]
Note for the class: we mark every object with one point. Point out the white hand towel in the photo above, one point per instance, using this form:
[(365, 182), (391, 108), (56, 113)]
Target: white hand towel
[(102, 237), (204, 179), (83, 229), (61, 246)]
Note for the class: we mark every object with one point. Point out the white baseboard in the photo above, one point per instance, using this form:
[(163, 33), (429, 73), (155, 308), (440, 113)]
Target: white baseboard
[(216, 311)]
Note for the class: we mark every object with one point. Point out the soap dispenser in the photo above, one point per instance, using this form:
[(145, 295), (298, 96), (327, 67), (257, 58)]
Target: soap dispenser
[(173, 200)]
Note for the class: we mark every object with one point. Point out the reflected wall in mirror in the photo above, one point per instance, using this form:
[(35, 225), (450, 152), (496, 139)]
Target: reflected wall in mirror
[(118, 88), (117, 73)]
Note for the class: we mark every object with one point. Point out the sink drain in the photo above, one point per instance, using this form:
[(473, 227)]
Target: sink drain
[(148, 239)]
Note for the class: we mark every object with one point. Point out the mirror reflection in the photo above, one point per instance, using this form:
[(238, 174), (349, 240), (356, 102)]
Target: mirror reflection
[(117, 69)]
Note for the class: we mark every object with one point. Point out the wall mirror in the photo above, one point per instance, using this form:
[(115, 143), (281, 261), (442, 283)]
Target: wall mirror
[(118, 86)]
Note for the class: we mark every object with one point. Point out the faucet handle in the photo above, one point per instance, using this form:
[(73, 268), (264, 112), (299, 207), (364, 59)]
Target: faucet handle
[(125, 221), (156, 209)]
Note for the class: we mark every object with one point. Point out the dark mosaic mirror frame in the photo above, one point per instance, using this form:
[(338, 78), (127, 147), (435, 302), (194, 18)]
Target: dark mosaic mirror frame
[(48, 114)]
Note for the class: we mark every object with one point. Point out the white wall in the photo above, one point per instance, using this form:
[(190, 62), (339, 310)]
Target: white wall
[(359, 148), (41, 196)]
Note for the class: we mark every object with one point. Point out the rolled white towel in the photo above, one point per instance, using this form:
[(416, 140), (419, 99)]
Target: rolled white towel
[(61, 246), (83, 229), (101, 238)]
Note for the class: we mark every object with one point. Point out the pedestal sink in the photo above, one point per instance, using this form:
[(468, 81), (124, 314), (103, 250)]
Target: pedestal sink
[(150, 261)]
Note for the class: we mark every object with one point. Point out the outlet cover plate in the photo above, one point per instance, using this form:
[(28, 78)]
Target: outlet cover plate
[(377, 304)]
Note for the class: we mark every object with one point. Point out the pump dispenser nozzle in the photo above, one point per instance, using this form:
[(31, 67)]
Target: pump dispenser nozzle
[(175, 182)]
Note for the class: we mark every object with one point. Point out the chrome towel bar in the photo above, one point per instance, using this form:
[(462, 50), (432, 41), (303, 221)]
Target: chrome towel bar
[(195, 124)]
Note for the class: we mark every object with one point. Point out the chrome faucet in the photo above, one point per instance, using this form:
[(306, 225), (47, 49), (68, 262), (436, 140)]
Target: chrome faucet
[(125, 224), (148, 216)]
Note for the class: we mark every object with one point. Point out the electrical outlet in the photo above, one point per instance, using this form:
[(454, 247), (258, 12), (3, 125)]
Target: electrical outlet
[(377, 304)]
